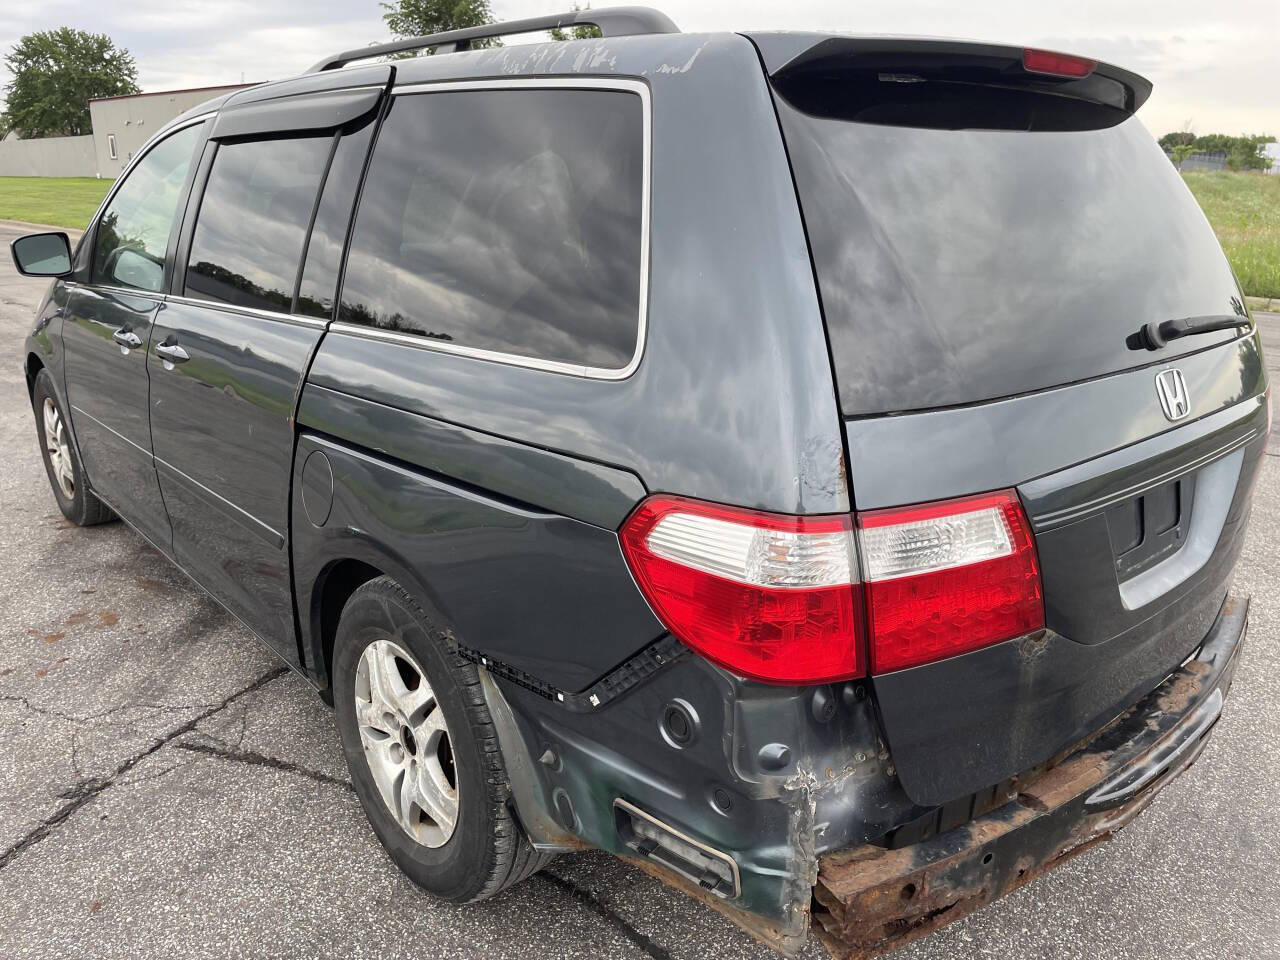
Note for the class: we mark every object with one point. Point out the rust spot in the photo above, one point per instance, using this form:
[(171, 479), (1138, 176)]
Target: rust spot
[(107, 618), (52, 637), (77, 618), (95, 906)]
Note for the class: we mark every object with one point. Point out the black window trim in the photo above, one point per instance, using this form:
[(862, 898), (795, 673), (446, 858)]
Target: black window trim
[(191, 219), (629, 85)]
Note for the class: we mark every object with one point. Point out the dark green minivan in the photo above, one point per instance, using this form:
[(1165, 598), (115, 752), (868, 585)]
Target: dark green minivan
[(810, 467)]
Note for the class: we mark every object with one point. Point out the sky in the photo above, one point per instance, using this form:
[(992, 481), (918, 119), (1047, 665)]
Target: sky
[(1213, 62)]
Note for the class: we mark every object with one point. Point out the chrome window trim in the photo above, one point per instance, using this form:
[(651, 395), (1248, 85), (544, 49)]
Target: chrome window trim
[(223, 307), (294, 318), (104, 288), (628, 85)]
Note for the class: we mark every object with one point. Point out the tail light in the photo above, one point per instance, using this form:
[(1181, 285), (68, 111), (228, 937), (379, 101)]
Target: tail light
[(778, 598), (769, 597), (1057, 64), (948, 577)]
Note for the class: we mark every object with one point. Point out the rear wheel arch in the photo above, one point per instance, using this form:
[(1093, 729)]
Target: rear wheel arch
[(333, 588), (353, 563)]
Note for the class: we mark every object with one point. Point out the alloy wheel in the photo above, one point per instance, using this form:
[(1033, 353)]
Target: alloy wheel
[(56, 445), (406, 743)]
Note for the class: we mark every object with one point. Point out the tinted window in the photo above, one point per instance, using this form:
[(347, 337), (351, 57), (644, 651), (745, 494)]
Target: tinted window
[(253, 221), (965, 265), (130, 242), (506, 220), (329, 232)]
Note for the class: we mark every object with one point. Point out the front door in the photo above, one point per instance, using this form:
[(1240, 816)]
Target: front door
[(108, 325)]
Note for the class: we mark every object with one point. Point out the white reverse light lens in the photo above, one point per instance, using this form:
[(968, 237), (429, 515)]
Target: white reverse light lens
[(936, 543), (754, 555)]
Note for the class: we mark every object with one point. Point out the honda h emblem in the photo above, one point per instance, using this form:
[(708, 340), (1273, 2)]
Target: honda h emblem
[(1171, 388)]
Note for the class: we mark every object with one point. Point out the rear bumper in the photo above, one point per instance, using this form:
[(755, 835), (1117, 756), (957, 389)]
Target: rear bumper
[(870, 899)]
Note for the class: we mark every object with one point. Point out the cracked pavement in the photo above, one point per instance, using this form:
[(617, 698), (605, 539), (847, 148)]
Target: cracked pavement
[(167, 789)]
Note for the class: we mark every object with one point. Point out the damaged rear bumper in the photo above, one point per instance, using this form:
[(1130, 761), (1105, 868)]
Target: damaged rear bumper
[(870, 899)]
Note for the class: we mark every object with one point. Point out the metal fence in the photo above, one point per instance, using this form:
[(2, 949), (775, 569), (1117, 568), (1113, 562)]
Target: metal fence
[(1204, 161)]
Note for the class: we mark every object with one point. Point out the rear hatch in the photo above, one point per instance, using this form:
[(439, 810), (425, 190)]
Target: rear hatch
[(991, 231)]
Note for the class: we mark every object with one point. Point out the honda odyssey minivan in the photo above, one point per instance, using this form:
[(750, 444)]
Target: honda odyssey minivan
[(809, 467)]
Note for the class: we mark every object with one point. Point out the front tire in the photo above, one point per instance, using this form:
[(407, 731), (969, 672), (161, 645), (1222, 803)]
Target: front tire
[(422, 749), (61, 460)]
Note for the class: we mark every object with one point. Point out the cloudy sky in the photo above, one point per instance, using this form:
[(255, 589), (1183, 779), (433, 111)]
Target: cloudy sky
[(1213, 62)]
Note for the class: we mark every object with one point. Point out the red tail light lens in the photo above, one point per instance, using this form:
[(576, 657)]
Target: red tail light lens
[(1057, 64), (776, 598), (769, 597), (948, 577)]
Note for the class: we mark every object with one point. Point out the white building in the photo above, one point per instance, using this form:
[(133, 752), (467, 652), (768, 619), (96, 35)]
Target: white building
[(121, 125)]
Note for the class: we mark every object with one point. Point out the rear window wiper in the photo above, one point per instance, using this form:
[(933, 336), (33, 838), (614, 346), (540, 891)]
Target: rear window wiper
[(1155, 335)]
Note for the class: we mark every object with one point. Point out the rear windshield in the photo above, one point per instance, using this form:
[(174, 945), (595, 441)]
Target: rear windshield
[(961, 265)]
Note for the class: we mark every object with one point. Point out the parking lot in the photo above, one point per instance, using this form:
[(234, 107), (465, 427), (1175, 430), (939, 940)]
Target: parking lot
[(168, 789)]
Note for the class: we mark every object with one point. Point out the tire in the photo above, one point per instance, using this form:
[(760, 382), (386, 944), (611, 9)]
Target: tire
[(486, 850), (61, 459)]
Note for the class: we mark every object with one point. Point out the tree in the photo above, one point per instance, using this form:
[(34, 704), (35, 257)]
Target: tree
[(418, 18), (585, 31), (55, 73), (1243, 152), (1179, 138)]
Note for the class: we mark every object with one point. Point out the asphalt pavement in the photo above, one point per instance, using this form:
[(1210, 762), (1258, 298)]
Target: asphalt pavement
[(168, 789)]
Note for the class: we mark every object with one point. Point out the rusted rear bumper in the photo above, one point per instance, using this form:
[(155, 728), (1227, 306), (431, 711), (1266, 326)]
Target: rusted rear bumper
[(869, 899)]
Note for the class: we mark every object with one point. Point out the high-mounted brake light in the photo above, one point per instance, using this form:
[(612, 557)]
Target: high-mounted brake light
[(949, 577), (779, 599), (1057, 64), (767, 596)]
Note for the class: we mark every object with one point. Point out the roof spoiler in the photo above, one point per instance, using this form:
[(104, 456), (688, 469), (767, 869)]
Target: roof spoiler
[(960, 62), (612, 22)]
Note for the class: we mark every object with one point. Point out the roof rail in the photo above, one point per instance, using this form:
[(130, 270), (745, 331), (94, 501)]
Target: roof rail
[(612, 21)]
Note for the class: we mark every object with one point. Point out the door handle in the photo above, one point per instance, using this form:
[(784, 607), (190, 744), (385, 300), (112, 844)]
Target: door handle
[(127, 338), (171, 353)]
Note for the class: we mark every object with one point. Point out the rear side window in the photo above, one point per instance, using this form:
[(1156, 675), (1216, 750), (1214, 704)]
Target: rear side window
[(506, 221), (253, 221)]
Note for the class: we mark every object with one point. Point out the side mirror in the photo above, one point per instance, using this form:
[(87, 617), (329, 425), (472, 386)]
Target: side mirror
[(42, 255)]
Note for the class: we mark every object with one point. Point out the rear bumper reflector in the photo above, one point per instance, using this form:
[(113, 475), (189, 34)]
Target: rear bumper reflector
[(653, 841)]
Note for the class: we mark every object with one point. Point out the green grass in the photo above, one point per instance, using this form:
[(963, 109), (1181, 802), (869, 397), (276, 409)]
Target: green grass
[(58, 201), (1244, 209)]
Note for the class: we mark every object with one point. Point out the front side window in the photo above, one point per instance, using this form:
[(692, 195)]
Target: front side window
[(253, 221), (133, 233), (505, 220)]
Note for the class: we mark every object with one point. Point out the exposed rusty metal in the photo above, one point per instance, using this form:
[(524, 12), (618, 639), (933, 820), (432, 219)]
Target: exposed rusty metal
[(871, 899)]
